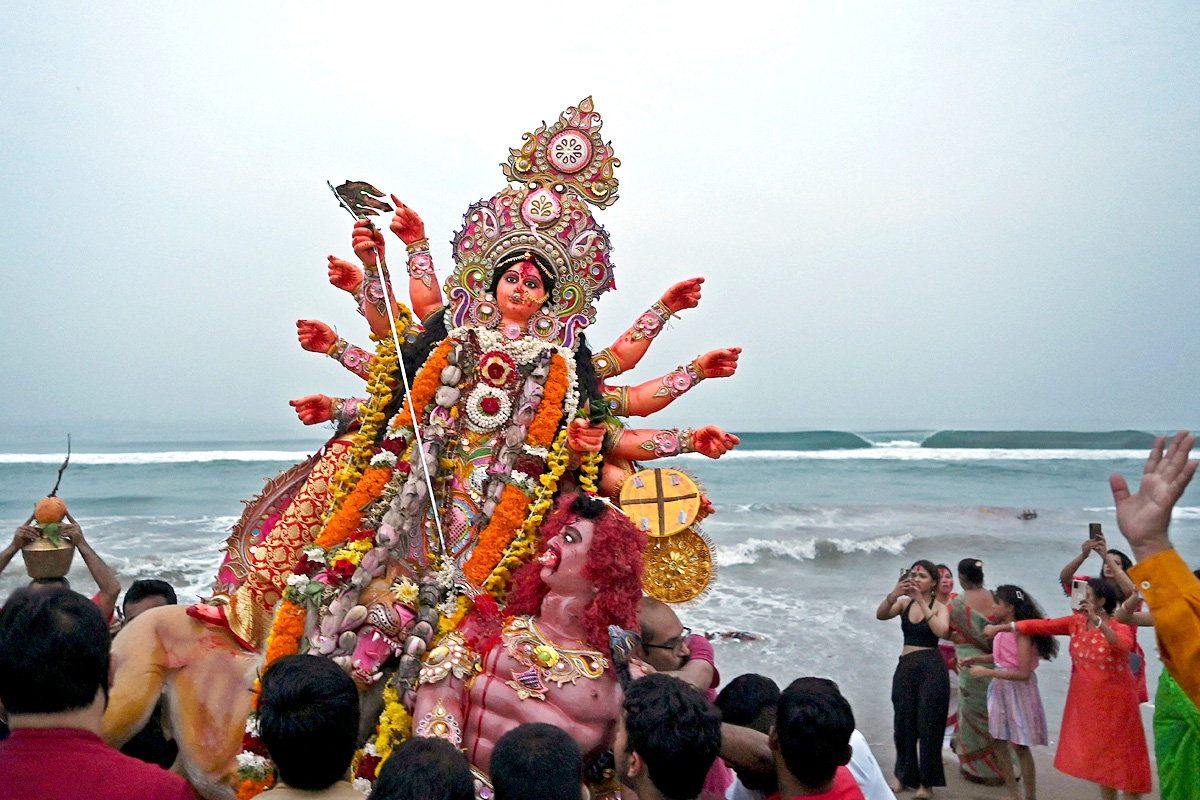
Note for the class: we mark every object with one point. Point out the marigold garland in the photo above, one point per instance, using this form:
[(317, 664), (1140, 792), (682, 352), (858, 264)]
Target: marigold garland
[(449, 624), (426, 384), (497, 536), (285, 633), (284, 640), (251, 788), (344, 522), (395, 726), (554, 391), (521, 547), (510, 512), (380, 385)]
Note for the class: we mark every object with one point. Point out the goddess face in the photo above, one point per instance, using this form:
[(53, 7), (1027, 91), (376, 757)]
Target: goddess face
[(520, 293)]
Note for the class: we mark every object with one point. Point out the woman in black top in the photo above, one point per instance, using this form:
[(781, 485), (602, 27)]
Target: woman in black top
[(920, 692)]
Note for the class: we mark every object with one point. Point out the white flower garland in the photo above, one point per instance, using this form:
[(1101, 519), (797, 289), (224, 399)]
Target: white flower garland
[(479, 420)]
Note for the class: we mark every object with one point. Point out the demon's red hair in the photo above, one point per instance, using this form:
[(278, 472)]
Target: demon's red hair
[(614, 564)]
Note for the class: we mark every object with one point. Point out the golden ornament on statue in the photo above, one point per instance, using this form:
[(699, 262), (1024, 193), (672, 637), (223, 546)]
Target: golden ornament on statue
[(661, 502), (678, 568)]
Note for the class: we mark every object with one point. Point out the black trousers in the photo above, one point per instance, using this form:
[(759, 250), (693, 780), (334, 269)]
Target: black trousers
[(921, 700)]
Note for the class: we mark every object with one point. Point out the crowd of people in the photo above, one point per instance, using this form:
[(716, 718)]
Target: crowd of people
[(1000, 636), (676, 736)]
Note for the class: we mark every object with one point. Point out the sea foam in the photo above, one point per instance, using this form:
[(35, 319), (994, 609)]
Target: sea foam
[(751, 550)]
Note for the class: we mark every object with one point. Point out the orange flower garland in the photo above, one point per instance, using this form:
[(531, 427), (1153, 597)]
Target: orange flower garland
[(494, 540), (380, 385), (285, 633), (510, 511), (347, 519), (426, 384), (554, 391), (284, 641), (252, 788)]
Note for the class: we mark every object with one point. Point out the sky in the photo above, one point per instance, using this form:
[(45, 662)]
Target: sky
[(910, 215)]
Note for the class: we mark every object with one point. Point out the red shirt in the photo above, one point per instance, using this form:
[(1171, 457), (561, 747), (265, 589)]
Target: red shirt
[(73, 764), (844, 788)]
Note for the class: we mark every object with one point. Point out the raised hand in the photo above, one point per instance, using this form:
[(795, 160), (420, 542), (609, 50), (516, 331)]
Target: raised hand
[(719, 363), (406, 223), (315, 336), (344, 275), (368, 242), (1144, 517), (25, 534), (685, 294), (712, 441), (313, 409), (584, 438)]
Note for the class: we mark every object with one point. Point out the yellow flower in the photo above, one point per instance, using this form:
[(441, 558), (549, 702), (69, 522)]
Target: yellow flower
[(405, 591)]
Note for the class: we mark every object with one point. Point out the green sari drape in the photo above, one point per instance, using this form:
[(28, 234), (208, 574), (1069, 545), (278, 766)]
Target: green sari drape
[(973, 743), (1176, 741)]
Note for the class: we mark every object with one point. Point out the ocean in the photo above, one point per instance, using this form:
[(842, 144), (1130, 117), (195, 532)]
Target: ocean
[(810, 533)]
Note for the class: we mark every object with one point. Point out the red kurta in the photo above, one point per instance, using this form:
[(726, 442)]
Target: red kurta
[(1102, 738)]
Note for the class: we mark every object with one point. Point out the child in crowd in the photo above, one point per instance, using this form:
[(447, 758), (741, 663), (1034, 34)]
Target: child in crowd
[(1015, 713)]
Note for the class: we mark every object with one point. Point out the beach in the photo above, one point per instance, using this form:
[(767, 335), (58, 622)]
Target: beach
[(810, 533)]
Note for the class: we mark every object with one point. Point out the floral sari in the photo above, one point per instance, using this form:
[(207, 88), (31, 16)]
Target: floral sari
[(972, 742)]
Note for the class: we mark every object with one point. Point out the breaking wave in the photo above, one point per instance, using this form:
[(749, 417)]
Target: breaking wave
[(752, 550)]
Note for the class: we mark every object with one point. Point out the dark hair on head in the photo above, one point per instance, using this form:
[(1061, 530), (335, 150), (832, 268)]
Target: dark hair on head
[(749, 700), (932, 569), (970, 571), (54, 652), (1196, 572), (1025, 607), (537, 259), (1108, 592), (676, 732), (1126, 561), (149, 587), (536, 761), (425, 769), (943, 568), (813, 727), (308, 719)]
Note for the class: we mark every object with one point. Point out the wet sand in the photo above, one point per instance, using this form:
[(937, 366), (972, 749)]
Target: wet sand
[(1051, 784)]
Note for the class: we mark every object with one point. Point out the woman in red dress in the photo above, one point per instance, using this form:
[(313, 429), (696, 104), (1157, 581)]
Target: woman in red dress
[(1102, 739)]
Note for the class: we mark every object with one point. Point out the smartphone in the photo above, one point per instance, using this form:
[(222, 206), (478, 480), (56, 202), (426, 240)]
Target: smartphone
[(1078, 593), (1094, 532), (904, 572)]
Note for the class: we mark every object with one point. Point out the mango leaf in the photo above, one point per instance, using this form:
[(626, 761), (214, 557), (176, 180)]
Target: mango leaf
[(50, 531)]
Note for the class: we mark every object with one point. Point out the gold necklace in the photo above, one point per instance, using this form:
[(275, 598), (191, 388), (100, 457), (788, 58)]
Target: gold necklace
[(545, 660)]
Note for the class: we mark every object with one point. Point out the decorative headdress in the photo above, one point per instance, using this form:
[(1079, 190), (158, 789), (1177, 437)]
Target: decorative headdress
[(563, 168)]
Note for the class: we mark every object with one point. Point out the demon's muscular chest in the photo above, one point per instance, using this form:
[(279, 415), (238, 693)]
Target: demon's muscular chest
[(529, 678)]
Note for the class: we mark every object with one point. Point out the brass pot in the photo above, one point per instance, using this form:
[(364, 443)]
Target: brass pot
[(44, 559)]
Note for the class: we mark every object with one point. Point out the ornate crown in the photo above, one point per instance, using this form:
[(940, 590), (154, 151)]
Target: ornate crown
[(564, 168)]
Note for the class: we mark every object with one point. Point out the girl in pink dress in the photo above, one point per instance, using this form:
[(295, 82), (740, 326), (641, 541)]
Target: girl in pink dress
[(1102, 738), (1015, 713)]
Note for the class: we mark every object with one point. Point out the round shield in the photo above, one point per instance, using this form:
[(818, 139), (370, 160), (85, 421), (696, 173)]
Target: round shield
[(660, 502)]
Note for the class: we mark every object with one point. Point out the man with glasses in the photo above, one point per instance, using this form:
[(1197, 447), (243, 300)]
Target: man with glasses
[(668, 647)]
